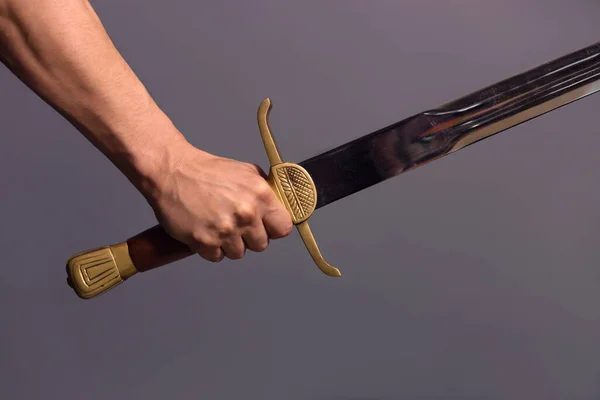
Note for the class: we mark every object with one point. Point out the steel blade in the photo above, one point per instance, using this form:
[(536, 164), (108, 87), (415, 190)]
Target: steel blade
[(432, 134)]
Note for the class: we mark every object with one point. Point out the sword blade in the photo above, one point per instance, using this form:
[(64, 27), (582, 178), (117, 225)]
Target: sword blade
[(432, 134)]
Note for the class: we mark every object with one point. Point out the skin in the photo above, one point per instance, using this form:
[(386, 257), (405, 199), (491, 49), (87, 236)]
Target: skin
[(219, 207)]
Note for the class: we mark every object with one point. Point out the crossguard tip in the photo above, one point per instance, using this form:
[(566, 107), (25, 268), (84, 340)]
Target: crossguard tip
[(295, 188)]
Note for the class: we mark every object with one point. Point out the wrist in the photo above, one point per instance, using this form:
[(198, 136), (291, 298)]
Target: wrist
[(135, 135), (146, 149), (150, 162)]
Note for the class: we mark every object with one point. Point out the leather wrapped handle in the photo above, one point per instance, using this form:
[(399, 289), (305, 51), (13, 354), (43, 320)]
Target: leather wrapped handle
[(155, 248)]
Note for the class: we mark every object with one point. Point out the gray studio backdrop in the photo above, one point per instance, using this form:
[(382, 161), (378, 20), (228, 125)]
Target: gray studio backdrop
[(474, 277)]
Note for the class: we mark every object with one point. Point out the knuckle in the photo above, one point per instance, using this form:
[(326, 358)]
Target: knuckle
[(264, 192), (245, 212), (225, 228), (202, 239), (197, 239)]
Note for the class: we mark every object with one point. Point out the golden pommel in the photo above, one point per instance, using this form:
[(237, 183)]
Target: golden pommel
[(96, 271)]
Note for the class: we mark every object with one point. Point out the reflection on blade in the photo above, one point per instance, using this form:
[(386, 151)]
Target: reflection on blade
[(427, 136)]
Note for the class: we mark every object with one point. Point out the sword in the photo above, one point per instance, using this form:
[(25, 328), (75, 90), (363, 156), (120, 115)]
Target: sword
[(328, 177)]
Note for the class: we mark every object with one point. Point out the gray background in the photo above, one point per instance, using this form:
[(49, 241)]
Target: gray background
[(475, 277)]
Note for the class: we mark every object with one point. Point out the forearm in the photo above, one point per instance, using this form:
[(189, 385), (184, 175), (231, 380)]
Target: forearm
[(60, 49)]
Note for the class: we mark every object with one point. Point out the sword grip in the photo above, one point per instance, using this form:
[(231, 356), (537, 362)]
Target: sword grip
[(154, 248)]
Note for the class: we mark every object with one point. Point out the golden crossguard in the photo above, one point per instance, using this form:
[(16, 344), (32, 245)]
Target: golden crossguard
[(295, 189), (95, 271)]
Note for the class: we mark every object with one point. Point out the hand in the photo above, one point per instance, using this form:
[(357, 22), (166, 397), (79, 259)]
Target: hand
[(217, 206)]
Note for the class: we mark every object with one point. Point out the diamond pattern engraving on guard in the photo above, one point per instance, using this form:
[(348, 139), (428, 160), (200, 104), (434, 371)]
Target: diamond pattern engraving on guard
[(297, 190)]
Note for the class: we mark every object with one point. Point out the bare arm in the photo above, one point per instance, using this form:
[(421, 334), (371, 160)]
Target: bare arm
[(60, 49), (218, 207)]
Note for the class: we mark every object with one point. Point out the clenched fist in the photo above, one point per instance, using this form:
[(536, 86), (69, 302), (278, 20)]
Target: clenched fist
[(219, 207)]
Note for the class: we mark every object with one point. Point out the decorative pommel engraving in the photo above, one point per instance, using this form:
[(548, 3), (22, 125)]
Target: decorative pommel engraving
[(95, 271), (295, 189)]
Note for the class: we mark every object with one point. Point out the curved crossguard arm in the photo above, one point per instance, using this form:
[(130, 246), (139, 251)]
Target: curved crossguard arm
[(93, 272), (295, 189)]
